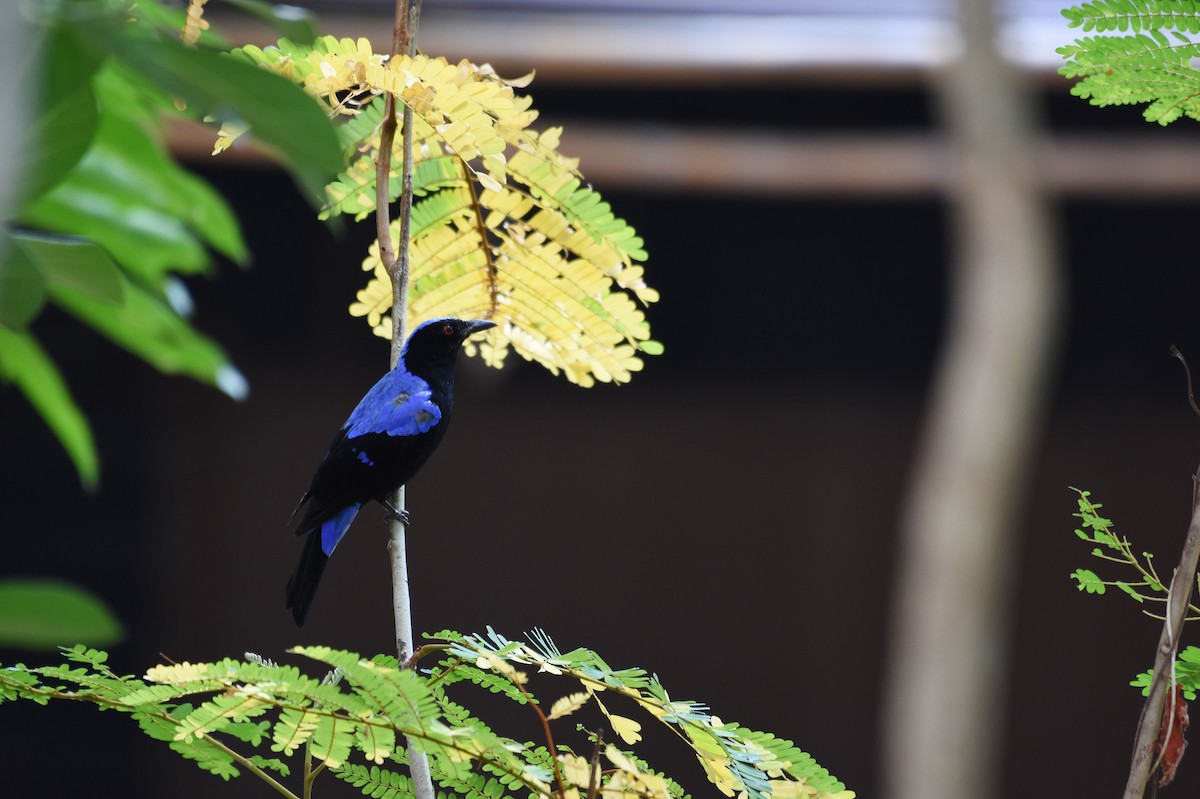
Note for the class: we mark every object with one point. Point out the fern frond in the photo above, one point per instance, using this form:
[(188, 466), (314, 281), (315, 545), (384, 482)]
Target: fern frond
[(218, 713), (1135, 15), (473, 785), (201, 751), (376, 782), (735, 760), (504, 228), (453, 671), (332, 739), (293, 729), (1147, 66)]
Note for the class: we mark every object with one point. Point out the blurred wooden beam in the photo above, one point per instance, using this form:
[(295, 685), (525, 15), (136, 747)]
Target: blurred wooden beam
[(565, 46), (645, 157)]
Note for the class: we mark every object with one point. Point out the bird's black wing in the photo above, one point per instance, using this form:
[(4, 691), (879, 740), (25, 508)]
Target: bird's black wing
[(363, 468)]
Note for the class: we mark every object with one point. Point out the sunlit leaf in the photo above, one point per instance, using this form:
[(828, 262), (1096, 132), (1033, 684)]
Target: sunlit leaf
[(231, 90)]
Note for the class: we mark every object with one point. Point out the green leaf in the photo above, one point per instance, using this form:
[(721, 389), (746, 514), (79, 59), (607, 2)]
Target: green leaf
[(22, 286), (148, 328), (45, 614), (291, 22), (124, 197), (25, 363), (64, 127), (278, 112), (1088, 580), (73, 263), (1127, 589)]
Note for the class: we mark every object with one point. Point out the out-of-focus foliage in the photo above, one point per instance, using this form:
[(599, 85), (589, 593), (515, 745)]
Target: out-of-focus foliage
[(41, 614), (504, 226), (105, 221)]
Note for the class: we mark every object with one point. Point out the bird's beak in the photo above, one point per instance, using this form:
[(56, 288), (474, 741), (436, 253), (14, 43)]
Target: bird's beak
[(476, 325)]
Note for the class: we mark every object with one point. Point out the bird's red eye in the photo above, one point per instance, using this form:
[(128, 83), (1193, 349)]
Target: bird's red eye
[(448, 330)]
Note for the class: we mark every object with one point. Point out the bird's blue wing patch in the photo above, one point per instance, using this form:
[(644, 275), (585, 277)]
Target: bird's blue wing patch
[(400, 404), (334, 528)]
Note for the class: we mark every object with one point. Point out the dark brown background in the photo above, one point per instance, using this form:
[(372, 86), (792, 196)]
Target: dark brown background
[(727, 520)]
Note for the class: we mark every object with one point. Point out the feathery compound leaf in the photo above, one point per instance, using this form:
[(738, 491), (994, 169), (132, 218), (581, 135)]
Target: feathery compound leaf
[(735, 759), (1146, 66), (568, 704), (376, 782), (505, 227)]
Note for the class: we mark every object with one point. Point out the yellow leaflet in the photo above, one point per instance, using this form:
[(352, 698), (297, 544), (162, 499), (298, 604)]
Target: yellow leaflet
[(576, 769), (628, 729), (568, 704), (179, 673), (791, 789), (376, 743)]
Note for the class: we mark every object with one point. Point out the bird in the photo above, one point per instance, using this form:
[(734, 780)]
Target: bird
[(385, 441)]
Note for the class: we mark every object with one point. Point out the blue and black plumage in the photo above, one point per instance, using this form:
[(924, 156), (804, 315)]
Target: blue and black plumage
[(386, 440)]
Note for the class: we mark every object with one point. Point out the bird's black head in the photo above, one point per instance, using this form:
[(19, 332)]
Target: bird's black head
[(436, 343)]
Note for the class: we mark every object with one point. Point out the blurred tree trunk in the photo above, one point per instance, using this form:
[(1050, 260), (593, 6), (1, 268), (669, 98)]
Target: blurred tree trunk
[(948, 665), (14, 61)]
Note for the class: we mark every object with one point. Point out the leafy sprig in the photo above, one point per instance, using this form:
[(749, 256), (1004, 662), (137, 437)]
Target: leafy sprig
[(1115, 548), (355, 726), (1153, 62)]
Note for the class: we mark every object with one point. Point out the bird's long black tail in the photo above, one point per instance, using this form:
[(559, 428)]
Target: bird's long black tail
[(302, 586)]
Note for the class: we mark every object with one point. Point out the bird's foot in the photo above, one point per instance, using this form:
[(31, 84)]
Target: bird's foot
[(395, 514)]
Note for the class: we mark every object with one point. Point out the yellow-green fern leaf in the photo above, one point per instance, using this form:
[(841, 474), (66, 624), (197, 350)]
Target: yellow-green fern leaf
[(504, 226)]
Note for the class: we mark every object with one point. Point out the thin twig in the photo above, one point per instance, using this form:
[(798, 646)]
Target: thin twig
[(558, 780), (594, 767), (396, 262), (1150, 722), (249, 766), (1190, 396)]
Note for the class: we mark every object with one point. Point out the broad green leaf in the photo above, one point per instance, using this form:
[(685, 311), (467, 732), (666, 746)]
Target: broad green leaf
[(278, 112), (22, 286), (148, 328), (73, 263), (64, 126), (47, 614), (291, 22), (25, 363), (121, 195)]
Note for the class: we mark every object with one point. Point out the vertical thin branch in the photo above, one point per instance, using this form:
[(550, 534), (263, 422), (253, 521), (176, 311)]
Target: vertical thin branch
[(396, 262), (959, 528), (1150, 723)]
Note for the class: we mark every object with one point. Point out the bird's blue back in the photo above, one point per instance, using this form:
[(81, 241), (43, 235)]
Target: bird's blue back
[(400, 404)]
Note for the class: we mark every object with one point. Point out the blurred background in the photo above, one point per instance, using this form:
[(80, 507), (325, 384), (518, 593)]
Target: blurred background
[(731, 519)]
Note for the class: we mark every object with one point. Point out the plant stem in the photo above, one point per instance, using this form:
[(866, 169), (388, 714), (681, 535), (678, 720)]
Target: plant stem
[(249, 766), (396, 262), (1150, 722)]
